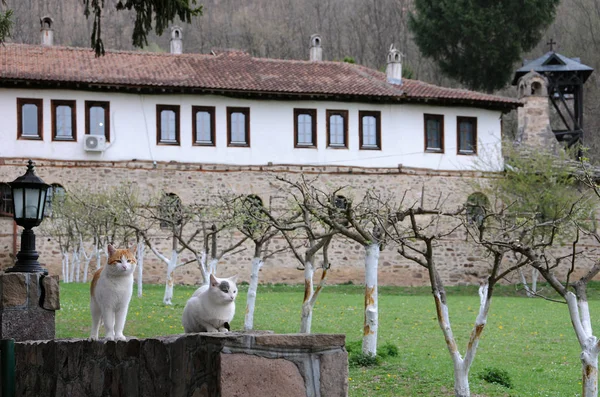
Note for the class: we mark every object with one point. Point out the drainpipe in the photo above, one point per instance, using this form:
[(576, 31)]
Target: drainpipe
[(7, 367)]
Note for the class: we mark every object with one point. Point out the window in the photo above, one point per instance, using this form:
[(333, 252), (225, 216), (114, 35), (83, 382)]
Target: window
[(252, 215), (64, 124), (238, 126), (167, 124), (305, 128), (170, 211), (6, 200), (97, 118), (54, 194), (203, 125), (369, 130), (467, 135), (434, 133), (477, 206), (337, 128), (29, 118)]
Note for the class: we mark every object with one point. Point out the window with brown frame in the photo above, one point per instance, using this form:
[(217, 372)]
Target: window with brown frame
[(203, 126), (167, 124), (238, 127), (337, 129), (434, 133), (6, 200), (369, 130), (466, 135), (64, 120), (97, 118), (305, 128), (30, 118)]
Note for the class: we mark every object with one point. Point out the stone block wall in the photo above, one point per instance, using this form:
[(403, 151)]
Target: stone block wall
[(462, 262), (190, 365), (28, 302)]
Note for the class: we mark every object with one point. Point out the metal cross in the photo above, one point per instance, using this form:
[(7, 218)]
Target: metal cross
[(551, 44)]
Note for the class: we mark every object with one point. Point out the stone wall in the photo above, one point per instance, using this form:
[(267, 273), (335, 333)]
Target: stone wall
[(463, 264), (190, 365)]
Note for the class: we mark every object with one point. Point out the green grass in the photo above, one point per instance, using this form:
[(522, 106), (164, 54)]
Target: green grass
[(531, 339)]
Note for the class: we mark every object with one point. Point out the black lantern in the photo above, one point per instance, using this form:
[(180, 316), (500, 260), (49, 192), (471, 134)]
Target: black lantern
[(29, 199)]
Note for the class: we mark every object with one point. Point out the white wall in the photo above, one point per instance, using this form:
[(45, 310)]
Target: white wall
[(133, 132)]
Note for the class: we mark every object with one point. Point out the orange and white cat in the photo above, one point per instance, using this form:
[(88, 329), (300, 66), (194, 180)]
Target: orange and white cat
[(111, 290)]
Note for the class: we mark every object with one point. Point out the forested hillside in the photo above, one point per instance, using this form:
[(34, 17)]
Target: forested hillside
[(360, 29)]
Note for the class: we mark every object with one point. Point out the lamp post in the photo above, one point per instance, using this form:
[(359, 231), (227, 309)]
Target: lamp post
[(29, 199)]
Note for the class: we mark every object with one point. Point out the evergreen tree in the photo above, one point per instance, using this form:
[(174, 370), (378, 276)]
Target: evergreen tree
[(477, 42)]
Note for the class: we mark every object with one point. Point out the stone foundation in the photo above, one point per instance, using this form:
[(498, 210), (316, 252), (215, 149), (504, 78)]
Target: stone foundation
[(463, 263), (191, 365)]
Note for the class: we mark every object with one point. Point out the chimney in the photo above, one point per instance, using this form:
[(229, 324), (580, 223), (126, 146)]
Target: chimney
[(394, 66), (46, 30), (176, 40), (316, 52)]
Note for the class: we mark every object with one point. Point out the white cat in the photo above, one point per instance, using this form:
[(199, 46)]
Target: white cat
[(212, 306), (111, 291)]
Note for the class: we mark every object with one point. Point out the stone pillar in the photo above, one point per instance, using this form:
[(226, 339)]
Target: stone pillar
[(28, 302)]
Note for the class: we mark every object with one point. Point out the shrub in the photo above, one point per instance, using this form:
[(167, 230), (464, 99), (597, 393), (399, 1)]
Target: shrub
[(388, 350), (359, 359), (496, 375)]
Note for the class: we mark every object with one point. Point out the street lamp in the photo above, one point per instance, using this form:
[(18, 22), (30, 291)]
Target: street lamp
[(29, 198)]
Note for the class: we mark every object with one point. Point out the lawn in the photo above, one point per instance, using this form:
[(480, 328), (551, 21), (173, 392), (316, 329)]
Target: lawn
[(532, 339)]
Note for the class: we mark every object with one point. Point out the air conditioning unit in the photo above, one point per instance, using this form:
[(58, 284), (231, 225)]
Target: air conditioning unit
[(94, 143)]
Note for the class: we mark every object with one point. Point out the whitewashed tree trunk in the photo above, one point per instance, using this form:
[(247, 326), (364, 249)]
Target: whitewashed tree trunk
[(74, 260), (171, 265), (525, 284), (141, 247), (581, 321), (98, 255), (463, 365), (257, 263), (369, 344), (86, 264), (212, 266), (308, 303), (534, 277), (65, 266)]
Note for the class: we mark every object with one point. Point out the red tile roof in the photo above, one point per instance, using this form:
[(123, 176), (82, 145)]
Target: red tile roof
[(231, 72)]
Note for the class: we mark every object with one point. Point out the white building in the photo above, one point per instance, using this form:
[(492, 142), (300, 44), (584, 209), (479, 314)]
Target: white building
[(64, 107)]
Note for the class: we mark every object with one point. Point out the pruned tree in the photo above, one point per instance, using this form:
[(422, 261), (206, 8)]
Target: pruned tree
[(361, 221), (212, 217), (542, 206), (254, 223), (420, 233), (300, 225)]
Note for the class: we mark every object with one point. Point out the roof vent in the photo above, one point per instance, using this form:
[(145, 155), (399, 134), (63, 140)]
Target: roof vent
[(176, 40), (316, 51), (46, 30), (394, 66)]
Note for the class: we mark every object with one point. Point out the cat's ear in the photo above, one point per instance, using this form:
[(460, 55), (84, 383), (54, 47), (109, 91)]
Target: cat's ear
[(213, 281), (111, 250), (233, 279), (133, 249)]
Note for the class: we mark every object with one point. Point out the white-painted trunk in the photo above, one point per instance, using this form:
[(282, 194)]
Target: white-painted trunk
[(98, 255), (65, 267), (74, 258), (140, 268), (171, 265), (212, 266), (580, 319), (86, 268), (525, 284), (371, 323), (78, 267), (257, 263), (534, 277), (307, 304), (461, 379)]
